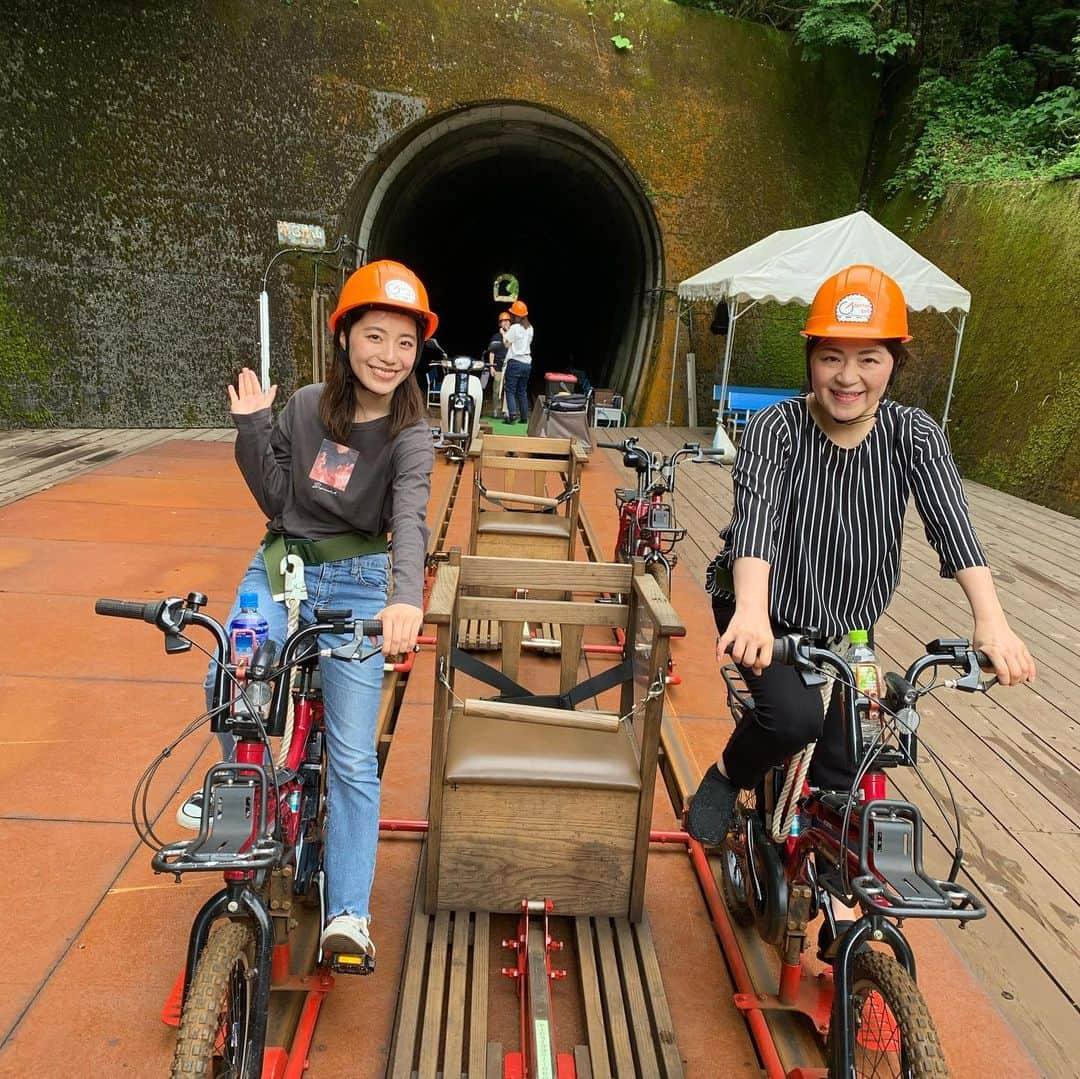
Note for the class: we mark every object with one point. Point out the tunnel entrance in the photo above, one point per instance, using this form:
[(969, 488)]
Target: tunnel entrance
[(510, 188)]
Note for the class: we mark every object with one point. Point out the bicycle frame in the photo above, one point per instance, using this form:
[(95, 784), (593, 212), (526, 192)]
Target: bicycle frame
[(257, 819), (865, 851)]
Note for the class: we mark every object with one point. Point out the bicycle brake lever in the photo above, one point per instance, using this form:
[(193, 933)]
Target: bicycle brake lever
[(972, 681)]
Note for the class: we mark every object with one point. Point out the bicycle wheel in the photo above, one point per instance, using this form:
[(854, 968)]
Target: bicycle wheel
[(733, 862), (895, 1037), (215, 1026)]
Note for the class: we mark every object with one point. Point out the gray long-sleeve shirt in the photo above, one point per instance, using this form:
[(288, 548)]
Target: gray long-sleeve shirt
[(311, 486)]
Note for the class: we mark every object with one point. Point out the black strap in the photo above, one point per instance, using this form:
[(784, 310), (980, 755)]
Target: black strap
[(512, 693)]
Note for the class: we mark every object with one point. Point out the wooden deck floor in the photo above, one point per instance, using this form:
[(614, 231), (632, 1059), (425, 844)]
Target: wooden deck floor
[(1011, 758)]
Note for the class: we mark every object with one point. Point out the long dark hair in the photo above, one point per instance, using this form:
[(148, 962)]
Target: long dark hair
[(337, 406)]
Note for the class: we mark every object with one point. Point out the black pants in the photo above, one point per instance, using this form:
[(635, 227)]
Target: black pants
[(787, 716)]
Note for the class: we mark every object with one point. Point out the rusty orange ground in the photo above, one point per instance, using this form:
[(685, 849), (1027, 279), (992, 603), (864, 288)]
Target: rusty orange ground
[(92, 940)]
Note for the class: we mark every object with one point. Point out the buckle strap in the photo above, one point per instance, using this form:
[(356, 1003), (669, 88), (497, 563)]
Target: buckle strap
[(513, 693), (276, 545)]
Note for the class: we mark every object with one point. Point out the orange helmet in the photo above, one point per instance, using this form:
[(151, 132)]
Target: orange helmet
[(519, 309), (389, 285), (861, 302), (504, 314)]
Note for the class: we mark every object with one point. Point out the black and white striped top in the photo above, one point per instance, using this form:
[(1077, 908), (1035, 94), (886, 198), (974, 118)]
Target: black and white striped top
[(829, 520)]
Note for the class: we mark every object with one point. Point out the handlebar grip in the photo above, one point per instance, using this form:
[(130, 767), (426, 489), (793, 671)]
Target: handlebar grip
[(369, 627), (126, 608), (610, 445), (783, 651), (984, 661)]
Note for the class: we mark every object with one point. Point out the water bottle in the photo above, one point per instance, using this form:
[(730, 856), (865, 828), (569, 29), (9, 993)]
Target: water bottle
[(869, 682), (246, 632)]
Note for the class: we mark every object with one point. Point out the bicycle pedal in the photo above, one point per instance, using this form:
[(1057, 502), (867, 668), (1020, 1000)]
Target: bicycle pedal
[(353, 964)]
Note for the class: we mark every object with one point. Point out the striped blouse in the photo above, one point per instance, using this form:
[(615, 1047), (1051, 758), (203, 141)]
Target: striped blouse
[(829, 520)]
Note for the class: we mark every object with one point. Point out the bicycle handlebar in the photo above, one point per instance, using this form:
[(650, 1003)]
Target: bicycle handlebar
[(125, 608)]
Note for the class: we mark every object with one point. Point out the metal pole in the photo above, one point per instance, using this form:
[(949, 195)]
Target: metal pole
[(674, 355), (729, 347), (264, 339), (952, 375)]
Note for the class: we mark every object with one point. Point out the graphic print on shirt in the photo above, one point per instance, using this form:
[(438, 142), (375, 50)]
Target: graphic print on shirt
[(333, 467)]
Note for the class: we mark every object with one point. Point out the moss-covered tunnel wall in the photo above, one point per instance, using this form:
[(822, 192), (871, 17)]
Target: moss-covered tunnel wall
[(148, 149), (146, 152), (1014, 420)]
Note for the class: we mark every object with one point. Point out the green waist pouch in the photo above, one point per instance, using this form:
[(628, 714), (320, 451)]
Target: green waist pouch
[(276, 545)]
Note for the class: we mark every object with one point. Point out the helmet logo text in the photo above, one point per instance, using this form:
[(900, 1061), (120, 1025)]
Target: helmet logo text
[(854, 307), (399, 290)]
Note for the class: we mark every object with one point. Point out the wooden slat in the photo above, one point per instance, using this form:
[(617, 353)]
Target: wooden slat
[(524, 464), (433, 1001), (591, 996), (552, 717), (443, 593), (409, 998), (570, 658), (538, 610), (638, 1013), (455, 998), (663, 1027), (614, 1013), (497, 573), (493, 1069), (478, 997), (511, 648)]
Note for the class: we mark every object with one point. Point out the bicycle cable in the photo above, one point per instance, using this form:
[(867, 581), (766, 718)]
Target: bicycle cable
[(864, 766)]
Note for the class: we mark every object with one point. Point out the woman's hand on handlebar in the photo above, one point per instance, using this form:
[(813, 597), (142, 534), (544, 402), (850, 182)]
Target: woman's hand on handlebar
[(401, 626), (248, 396), (1011, 659), (749, 639)]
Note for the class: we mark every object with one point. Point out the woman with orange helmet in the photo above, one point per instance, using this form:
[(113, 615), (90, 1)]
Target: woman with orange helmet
[(518, 340), (368, 420), (813, 547)]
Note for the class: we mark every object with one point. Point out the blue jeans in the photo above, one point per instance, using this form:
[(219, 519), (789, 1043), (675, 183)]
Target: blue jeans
[(517, 387), (351, 692)]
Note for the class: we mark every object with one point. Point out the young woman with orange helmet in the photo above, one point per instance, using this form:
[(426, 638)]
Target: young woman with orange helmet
[(813, 547), (369, 419)]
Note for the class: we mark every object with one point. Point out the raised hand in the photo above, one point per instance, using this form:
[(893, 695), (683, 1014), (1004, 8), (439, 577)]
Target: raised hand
[(248, 396)]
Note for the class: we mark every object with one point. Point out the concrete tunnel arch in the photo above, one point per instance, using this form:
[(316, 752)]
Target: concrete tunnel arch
[(511, 187)]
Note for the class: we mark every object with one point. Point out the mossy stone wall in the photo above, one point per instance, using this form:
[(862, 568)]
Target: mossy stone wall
[(147, 151), (1014, 421)]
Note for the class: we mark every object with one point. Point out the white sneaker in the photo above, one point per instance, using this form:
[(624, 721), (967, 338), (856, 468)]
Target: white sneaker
[(189, 815), (347, 935)]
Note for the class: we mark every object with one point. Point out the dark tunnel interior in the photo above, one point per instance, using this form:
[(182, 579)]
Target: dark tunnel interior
[(463, 214)]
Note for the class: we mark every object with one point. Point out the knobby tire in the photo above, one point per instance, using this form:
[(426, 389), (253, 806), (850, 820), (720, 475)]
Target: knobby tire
[(215, 1026), (914, 1051)]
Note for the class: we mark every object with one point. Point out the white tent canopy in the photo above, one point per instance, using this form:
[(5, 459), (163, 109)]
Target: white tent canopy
[(788, 267)]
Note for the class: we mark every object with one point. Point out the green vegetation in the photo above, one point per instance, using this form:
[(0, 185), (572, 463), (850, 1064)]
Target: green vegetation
[(997, 91), (23, 364)]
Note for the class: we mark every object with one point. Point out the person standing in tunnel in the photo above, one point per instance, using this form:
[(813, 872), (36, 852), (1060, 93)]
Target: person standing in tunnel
[(495, 357), (518, 340)]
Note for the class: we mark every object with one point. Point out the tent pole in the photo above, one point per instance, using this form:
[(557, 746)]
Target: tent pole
[(952, 374), (674, 355), (728, 349)]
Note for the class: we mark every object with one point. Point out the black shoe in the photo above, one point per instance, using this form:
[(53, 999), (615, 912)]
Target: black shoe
[(712, 807)]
